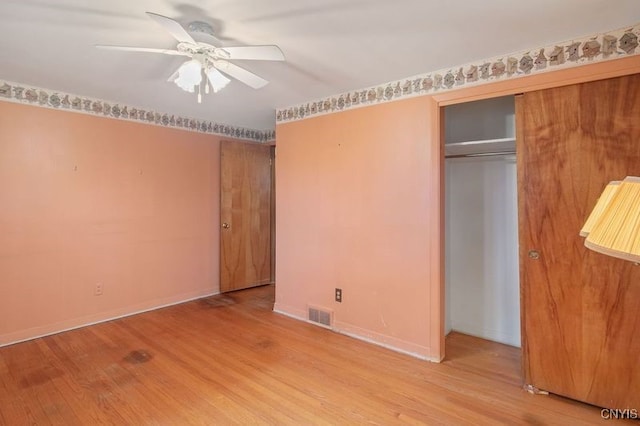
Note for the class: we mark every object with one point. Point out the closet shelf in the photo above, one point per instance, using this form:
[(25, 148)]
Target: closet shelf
[(480, 147)]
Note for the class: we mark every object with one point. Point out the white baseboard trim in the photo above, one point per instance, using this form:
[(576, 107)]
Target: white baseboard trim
[(385, 341), (356, 333), (63, 326), (290, 312)]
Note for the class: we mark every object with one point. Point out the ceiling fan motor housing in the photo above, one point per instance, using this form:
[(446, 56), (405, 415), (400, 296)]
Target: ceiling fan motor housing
[(201, 27)]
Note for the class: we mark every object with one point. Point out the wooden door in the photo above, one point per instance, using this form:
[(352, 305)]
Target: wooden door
[(245, 214), (580, 309)]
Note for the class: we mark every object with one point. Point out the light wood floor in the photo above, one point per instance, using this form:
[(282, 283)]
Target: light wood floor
[(229, 359)]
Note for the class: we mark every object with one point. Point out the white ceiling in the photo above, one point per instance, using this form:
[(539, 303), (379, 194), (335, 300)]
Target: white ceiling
[(331, 46)]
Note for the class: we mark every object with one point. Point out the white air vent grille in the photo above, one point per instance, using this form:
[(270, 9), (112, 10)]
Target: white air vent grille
[(320, 316)]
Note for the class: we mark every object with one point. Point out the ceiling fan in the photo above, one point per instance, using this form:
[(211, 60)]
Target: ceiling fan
[(208, 65)]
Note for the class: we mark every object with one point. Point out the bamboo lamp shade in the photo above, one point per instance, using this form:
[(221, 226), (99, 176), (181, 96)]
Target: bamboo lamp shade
[(613, 227)]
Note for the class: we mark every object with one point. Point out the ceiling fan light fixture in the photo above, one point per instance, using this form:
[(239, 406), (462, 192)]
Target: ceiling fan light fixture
[(189, 76), (217, 79), (207, 59)]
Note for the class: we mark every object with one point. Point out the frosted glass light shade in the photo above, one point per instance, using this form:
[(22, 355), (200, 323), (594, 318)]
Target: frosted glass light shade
[(615, 228), (217, 79), (189, 76)]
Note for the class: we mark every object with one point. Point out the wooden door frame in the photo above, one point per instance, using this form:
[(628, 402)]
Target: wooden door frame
[(273, 212), (435, 188)]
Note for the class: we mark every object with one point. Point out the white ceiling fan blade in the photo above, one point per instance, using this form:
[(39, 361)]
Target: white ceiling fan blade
[(173, 27), (258, 53), (241, 74), (142, 49), (173, 76)]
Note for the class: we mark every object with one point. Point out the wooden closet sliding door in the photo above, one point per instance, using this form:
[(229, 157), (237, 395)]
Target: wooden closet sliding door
[(580, 309)]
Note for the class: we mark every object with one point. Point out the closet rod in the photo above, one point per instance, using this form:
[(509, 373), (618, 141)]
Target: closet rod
[(483, 154)]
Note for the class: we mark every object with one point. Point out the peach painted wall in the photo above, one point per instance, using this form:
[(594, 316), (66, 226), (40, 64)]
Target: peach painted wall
[(352, 206), (86, 200), (359, 203)]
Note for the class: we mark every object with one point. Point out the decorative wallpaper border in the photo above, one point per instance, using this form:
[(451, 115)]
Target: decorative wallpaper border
[(16, 92), (596, 48)]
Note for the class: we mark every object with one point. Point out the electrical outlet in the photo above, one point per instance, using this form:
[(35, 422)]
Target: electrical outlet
[(98, 290), (339, 295)]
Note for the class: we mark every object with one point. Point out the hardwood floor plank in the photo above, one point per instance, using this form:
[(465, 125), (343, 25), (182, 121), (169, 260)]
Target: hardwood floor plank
[(214, 379), (161, 379), (229, 359), (33, 380)]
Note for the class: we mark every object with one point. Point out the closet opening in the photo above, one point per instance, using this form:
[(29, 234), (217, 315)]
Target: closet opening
[(482, 291)]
